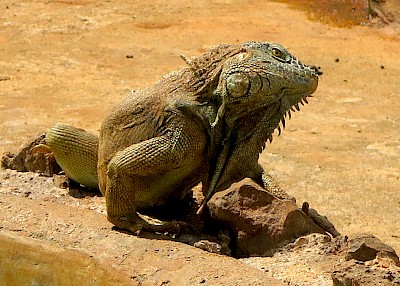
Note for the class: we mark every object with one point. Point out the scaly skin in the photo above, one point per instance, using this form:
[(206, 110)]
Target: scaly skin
[(76, 151), (206, 123)]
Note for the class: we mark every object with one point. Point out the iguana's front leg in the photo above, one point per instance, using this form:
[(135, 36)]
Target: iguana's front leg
[(130, 172)]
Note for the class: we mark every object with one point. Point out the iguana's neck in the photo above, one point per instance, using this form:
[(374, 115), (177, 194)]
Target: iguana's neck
[(257, 128)]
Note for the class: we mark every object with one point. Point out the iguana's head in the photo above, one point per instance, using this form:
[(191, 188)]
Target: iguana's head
[(251, 78), (263, 74)]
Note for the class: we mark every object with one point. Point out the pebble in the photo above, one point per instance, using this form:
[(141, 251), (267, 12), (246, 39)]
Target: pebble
[(4, 78)]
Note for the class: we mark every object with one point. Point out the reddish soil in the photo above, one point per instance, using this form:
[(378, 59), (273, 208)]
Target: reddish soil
[(69, 61)]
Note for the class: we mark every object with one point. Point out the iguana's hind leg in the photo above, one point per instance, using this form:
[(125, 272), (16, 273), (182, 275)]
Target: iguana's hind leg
[(76, 151)]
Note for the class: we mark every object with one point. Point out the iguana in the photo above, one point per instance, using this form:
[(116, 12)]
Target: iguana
[(206, 123)]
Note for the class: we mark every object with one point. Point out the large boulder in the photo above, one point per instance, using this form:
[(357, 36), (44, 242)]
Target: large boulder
[(259, 222)]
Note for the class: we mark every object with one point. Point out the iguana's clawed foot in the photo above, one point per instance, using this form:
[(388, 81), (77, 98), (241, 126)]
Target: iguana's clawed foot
[(142, 222), (171, 227), (320, 220)]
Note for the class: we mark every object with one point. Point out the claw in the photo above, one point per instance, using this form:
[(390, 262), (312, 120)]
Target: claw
[(41, 148)]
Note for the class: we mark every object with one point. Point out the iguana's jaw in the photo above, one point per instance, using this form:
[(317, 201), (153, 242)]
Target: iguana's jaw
[(289, 100), (291, 97)]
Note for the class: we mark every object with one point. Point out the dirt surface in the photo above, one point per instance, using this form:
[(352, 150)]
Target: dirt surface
[(49, 242), (53, 236), (69, 61)]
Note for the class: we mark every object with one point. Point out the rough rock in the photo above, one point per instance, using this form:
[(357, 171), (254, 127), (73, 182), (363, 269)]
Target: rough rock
[(365, 247), (317, 259), (260, 222), (351, 273), (49, 243), (30, 158), (50, 218)]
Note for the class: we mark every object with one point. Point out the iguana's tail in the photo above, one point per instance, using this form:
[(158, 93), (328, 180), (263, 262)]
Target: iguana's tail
[(75, 151)]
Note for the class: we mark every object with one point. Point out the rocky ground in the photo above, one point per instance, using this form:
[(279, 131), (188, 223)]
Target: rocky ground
[(59, 236), (69, 61)]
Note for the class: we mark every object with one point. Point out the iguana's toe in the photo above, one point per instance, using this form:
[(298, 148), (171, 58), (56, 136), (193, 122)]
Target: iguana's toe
[(170, 227), (133, 224), (142, 222)]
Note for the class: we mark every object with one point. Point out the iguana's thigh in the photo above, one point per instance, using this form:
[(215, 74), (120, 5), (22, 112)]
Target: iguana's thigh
[(164, 188)]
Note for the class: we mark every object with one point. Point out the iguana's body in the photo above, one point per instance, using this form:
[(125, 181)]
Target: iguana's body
[(206, 123)]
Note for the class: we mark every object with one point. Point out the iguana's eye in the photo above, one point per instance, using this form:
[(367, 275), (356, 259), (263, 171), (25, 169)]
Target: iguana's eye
[(278, 53)]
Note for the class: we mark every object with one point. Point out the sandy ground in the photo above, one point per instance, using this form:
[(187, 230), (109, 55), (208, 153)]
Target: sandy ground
[(66, 61)]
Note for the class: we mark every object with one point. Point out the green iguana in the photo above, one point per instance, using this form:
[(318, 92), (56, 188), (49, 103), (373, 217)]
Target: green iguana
[(206, 123)]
